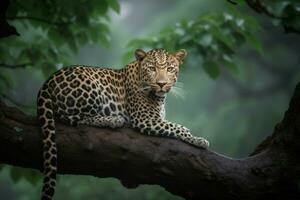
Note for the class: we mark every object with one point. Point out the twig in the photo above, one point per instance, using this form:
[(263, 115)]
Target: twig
[(260, 8), (37, 19), (13, 101), (232, 2), (5, 65)]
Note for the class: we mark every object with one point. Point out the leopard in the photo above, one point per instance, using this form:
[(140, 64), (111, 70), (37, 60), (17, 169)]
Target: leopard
[(105, 97)]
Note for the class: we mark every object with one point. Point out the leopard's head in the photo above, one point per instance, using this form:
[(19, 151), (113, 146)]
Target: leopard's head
[(159, 69)]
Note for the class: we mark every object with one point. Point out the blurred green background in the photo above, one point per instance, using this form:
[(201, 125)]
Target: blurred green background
[(233, 88)]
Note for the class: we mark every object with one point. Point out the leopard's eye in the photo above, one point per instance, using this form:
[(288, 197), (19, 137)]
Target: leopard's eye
[(151, 68), (170, 69)]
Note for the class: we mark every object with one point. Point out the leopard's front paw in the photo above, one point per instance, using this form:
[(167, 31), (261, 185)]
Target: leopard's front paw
[(116, 122), (200, 142)]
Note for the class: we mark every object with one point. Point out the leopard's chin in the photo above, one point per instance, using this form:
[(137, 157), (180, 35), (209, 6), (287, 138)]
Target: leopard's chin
[(161, 94)]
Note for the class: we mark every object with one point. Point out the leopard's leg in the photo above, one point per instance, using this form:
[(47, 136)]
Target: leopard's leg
[(160, 127), (104, 121), (194, 140), (70, 119)]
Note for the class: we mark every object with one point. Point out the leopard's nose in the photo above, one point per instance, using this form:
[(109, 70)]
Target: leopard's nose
[(161, 83)]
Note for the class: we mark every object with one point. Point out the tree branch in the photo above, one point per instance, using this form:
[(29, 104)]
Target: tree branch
[(232, 2), (272, 172), (290, 29), (38, 19), (8, 66), (259, 7), (6, 97)]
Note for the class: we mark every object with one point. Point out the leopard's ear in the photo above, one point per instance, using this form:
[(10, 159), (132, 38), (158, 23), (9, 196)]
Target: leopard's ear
[(140, 54), (180, 55)]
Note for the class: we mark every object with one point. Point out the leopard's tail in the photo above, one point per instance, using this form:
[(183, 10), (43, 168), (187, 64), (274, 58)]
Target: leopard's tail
[(46, 118)]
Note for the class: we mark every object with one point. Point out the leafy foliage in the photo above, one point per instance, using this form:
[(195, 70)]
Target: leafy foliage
[(214, 36), (30, 175), (51, 31), (285, 13)]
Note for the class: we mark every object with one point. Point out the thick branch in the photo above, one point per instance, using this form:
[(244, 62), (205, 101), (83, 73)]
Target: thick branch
[(271, 173)]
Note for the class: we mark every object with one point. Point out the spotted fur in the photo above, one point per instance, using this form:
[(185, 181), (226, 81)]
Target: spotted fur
[(133, 95)]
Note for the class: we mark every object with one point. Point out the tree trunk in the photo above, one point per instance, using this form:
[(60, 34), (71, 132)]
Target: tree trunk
[(272, 171)]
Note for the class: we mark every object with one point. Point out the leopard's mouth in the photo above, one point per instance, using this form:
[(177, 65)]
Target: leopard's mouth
[(156, 90), (161, 92)]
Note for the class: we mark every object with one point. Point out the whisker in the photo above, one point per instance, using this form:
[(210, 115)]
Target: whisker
[(178, 92), (179, 84), (143, 88)]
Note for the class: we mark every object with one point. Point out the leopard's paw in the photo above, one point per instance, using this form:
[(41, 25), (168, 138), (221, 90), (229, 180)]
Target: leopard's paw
[(200, 142), (117, 122)]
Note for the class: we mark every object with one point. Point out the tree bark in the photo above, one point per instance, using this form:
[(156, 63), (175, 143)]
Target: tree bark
[(272, 171)]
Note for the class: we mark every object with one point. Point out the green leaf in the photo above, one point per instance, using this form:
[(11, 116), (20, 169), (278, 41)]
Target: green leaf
[(55, 37), (100, 7), (225, 38), (6, 79), (186, 38), (212, 36), (239, 37), (254, 42), (231, 66), (240, 2), (15, 174), (205, 40), (279, 7), (18, 129), (114, 4), (211, 68), (32, 176)]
